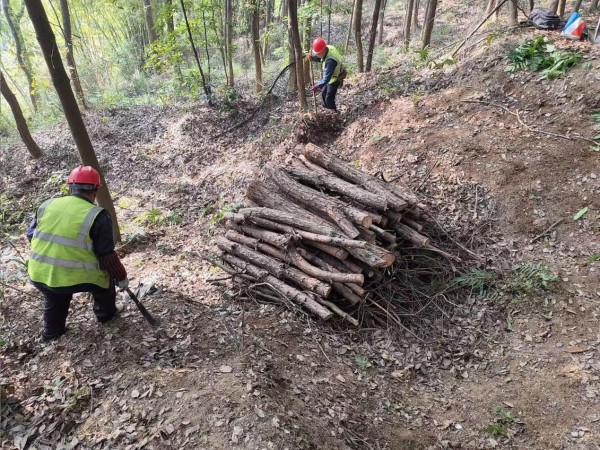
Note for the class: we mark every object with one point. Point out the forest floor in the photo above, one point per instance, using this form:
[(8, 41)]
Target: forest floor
[(520, 372)]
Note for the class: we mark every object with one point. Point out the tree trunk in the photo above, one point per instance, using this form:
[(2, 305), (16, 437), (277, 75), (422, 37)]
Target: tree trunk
[(148, 16), (22, 127), (293, 83), (206, 45), (415, 24), (329, 21), (268, 20), (255, 16), (381, 17), (66, 22), (350, 26), (373, 34), (307, 44), (293, 25), (205, 86), (408, 22), (170, 20), (229, 40), (594, 5), (22, 55), (513, 13), (358, 35), (429, 21), (577, 5), (47, 42), (561, 7)]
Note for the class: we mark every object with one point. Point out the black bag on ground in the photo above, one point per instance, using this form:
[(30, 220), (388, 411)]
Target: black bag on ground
[(544, 19)]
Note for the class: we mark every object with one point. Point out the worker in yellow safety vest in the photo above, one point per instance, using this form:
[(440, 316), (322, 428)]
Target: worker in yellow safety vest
[(333, 71), (72, 250)]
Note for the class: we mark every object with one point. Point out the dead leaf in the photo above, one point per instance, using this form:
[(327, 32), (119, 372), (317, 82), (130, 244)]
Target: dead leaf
[(577, 350), (226, 369), (135, 393)]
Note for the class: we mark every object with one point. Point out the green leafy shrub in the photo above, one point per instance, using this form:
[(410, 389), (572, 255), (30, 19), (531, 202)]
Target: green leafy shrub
[(477, 280), (541, 55), (232, 207)]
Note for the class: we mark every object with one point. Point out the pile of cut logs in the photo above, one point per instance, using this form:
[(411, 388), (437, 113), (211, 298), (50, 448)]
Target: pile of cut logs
[(312, 232)]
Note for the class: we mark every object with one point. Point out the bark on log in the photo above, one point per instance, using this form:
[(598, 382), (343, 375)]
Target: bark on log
[(338, 253), (342, 289), (285, 289), (274, 267), (314, 167), (373, 256), (383, 234), (368, 235), (277, 240), (413, 236), (330, 264), (362, 179), (265, 195), (314, 200), (295, 232), (293, 257), (289, 219), (340, 186)]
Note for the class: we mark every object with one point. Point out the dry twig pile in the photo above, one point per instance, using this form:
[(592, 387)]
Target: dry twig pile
[(323, 234)]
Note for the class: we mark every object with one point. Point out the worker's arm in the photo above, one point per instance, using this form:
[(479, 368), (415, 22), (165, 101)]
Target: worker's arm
[(104, 247), (330, 66), (31, 228)]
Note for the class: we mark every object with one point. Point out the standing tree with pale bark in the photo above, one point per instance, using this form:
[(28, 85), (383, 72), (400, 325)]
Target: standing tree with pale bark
[(60, 80)]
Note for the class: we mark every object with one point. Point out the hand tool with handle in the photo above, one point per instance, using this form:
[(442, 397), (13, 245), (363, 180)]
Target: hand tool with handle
[(154, 321)]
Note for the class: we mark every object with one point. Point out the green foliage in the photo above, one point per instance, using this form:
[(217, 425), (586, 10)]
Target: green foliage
[(525, 279), (155, 217), (530, 278), (230, 98), (541, 55), (12, 217), (477, 280), (363, 362), (152, 217), (79, 399), (496, 429), (231, 207), (500, 427)]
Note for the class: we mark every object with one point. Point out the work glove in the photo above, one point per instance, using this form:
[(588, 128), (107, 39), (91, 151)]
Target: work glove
[(316, 88), (309, 57), (123, 283)]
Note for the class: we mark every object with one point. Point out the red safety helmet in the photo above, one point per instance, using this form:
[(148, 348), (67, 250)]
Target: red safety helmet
[(85, 175), (319, 45)]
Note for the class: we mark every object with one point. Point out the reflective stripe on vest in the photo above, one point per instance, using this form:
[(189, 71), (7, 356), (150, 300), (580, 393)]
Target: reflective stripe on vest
[(333, 53), (80, 242), (65, 262), (61, 249)]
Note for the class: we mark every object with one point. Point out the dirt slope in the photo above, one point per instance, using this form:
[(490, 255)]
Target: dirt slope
[(226, 374)]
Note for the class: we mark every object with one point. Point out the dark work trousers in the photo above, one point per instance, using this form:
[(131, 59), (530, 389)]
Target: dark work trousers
[(329, 92), (57, 301)]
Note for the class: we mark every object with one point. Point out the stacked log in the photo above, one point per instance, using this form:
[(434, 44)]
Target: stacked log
[(315, 231)]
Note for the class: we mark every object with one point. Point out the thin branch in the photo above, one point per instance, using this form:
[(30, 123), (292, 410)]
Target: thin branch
[(529, 127), (541, 235)]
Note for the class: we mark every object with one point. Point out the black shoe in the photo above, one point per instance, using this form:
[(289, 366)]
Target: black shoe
[(51, 337)]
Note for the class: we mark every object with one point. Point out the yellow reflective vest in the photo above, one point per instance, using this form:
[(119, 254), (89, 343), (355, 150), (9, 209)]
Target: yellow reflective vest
[(62, 251), (334, 54)]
